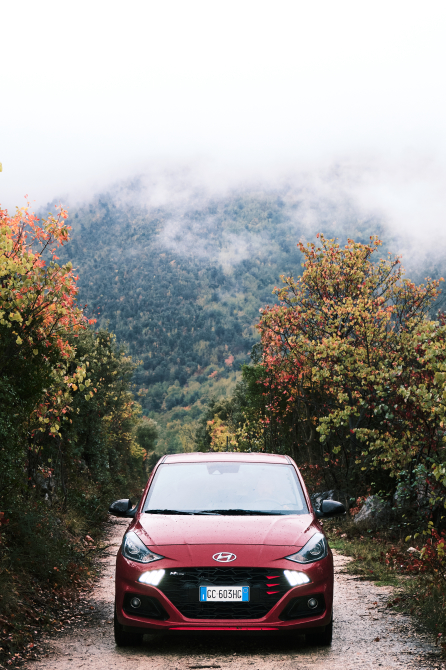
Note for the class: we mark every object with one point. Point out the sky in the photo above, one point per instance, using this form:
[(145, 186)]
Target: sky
[(94, 92)]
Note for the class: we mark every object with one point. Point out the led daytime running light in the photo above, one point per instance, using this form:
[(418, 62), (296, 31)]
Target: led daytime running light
[(153, 577), (296, 578)]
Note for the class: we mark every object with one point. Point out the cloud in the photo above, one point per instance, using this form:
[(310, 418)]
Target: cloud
[(196, 206), (255, 88)]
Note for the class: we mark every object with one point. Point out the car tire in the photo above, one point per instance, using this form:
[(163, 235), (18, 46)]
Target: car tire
[(322, 639), (122, 637)]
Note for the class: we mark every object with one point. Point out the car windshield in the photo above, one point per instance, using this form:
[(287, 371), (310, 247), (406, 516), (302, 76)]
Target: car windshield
[(225, 488)]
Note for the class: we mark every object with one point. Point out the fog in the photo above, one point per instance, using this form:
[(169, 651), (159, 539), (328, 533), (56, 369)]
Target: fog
[(200, 98), (405, 199)]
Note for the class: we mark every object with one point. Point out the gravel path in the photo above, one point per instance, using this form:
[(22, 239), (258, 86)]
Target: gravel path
[(365, 636)]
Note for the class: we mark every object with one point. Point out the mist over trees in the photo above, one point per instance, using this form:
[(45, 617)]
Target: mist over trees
[(181, 283)]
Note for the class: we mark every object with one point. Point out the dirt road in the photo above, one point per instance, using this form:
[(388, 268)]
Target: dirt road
[(365, 636)]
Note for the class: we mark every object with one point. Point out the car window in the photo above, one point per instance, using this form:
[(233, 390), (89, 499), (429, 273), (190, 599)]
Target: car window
[(222, 486)]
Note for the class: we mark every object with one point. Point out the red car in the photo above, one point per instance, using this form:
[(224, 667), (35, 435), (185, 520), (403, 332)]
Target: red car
[(224, 542)]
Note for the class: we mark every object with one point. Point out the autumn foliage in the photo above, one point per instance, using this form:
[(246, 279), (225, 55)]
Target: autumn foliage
[(37, 300), (68, 422), (344, 353)]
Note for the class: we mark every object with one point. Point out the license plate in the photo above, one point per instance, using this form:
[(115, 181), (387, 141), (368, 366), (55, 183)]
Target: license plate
[(224, 594)]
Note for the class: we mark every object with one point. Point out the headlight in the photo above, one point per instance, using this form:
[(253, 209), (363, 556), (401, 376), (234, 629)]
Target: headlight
[(135, 550), (315, 549), (152, 577)]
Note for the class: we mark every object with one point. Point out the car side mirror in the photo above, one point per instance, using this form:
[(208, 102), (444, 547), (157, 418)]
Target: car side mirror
[(122, 508), (330, 508)]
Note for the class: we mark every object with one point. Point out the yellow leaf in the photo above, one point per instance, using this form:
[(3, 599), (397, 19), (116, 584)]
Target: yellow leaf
[(35, 352), (19, 340)]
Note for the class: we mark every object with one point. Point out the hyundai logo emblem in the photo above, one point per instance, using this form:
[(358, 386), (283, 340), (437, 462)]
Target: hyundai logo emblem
[(224, 557)]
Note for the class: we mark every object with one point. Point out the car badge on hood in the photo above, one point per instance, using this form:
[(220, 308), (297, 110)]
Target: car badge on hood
[(224, 557)]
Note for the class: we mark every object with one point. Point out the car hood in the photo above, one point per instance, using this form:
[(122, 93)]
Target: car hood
[(159, 530)]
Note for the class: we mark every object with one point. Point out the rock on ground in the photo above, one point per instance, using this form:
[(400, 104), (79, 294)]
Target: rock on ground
[(375, 513)]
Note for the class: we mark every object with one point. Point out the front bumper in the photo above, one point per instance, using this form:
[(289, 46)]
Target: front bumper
[(161, 614)]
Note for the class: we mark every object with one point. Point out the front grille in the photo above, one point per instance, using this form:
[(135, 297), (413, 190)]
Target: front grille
[(181, 587)]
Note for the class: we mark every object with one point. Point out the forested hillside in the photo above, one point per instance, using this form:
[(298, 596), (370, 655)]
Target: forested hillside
[(182, 285)]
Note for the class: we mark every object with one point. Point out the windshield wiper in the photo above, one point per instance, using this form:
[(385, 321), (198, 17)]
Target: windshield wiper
[(232, 512), (239, 511), (175, 511)]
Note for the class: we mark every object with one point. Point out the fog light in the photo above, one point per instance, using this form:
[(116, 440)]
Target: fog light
[(153, 577), (312, 603), (296, 578), (135, 602)]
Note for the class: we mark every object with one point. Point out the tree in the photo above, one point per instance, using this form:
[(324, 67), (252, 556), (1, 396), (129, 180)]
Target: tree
[(146, 436), (66, 387), (38, 312), (38, 298), (339, 349)]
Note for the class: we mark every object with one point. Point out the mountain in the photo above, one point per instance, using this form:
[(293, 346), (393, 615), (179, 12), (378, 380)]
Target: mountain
[(181, 281)]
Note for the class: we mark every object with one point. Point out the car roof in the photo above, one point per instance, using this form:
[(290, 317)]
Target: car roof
[(245, 456)]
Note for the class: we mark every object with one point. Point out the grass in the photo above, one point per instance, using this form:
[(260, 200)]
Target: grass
[(367, 560), (367, 549)]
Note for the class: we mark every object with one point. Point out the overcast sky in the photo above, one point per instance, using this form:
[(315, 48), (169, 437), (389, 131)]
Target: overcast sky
[(95, 91)]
